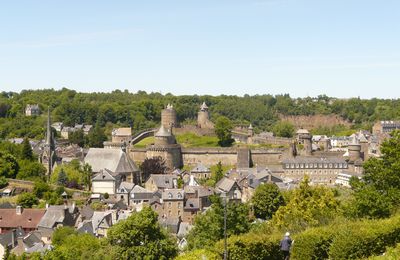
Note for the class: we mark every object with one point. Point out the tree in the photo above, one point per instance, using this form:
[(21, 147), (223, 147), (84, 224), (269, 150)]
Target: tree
[(219, 172), (87, 175), (8, 165), (26, 152), (60, 234), (40, 188), (96, 137), (3, 182), (283, 129), (209, 227), (153, 165), (77, 137), (379, 191), (62, 177), (307, 206), (27, 200), (140, 236), (30, 170), (266, 200), (223, 130)]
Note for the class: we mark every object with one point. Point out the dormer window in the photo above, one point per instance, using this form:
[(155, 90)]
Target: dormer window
[(179, 196), (170, 195)]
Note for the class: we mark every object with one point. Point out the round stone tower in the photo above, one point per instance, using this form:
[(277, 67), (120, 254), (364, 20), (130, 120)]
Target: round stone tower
[(203, 120), (354, 151), (165, 146), (168, 117), (305, 138)]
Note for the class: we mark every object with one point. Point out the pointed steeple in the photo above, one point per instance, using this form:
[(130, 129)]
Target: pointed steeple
[(48, 133)]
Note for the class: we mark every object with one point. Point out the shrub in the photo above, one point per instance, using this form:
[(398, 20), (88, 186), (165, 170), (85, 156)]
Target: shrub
[(313, 243), (3, 182), (252, 246), (199, 254)]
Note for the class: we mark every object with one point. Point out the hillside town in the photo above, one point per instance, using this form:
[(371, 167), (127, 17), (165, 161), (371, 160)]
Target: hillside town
[(175, 183)]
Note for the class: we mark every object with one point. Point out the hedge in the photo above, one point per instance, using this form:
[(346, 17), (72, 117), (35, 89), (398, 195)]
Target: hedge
[(312, 244), (352, 240), (252, 246), (199, 254)]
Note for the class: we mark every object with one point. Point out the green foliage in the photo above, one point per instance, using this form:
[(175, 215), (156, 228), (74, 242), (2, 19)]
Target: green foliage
[(252, 246), (308, 206), (218, 173), (379, 192), (60, 234), (77, 137), (283, 129), (40, 188), (27, 200), (8, 165), (79, 246), (223, 130), (62, 177), (96, 137), (106, 195), (26, 152), (266, 200), (3, 182), (199, 254), (392, 253), (140, 236), (30, 170), (194, 140), (209, 226)]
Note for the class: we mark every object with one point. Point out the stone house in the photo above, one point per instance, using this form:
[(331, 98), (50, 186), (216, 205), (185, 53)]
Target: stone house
[(32, 110), (161, 182), (121, 135), (230, 187), (26, 219), (105, 181), (173, 203), (201, 171)]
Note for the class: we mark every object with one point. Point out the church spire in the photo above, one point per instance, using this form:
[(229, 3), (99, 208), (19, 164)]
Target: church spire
[(48, 133)]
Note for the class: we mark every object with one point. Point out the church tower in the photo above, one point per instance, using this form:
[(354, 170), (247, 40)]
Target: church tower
[(48, 157)]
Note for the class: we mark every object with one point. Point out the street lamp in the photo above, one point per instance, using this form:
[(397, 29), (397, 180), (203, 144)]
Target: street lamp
[(224, 201)]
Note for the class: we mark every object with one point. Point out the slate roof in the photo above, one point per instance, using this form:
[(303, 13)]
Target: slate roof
[(225, 184), (52, 216), (113, 159), (184, 229), (104, 175), (172, 224), (99, 217), (33, 238), (173, 194), (125, 187), (123, 131), (140, 193), (306, 159), (200, 168), (29, 218), (192, 204), (87, 212), (164, 181)]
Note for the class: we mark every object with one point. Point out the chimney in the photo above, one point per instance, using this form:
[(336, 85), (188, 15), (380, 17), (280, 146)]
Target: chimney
[(13, 236), (19, 210)]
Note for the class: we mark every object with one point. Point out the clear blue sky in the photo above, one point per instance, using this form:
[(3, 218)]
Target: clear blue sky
[(341, 48)]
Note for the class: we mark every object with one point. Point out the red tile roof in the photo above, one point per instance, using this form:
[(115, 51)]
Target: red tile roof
[(28, 219)]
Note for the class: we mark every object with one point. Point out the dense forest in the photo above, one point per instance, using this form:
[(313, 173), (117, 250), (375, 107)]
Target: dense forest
[(142, 110)]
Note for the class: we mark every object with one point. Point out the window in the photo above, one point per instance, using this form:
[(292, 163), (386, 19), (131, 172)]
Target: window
[(170, 195), (179, 196), (169, 204), (179, 205), (179, 212)]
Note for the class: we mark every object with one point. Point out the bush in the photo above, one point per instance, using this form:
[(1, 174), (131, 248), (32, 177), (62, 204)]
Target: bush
[(252, 246), (366, 238), (352, 240), (199, 254), (3, 182), (313, 243)]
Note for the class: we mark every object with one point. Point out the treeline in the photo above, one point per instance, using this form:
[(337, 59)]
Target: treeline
[(142, 110)]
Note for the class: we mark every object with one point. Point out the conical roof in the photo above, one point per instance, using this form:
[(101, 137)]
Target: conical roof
[(203, 106), (163, 132)]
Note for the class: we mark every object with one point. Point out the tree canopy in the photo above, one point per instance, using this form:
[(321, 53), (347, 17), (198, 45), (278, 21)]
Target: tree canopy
[(266, 200)]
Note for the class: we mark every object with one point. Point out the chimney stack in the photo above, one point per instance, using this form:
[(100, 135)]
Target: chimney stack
[(19, 210)]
